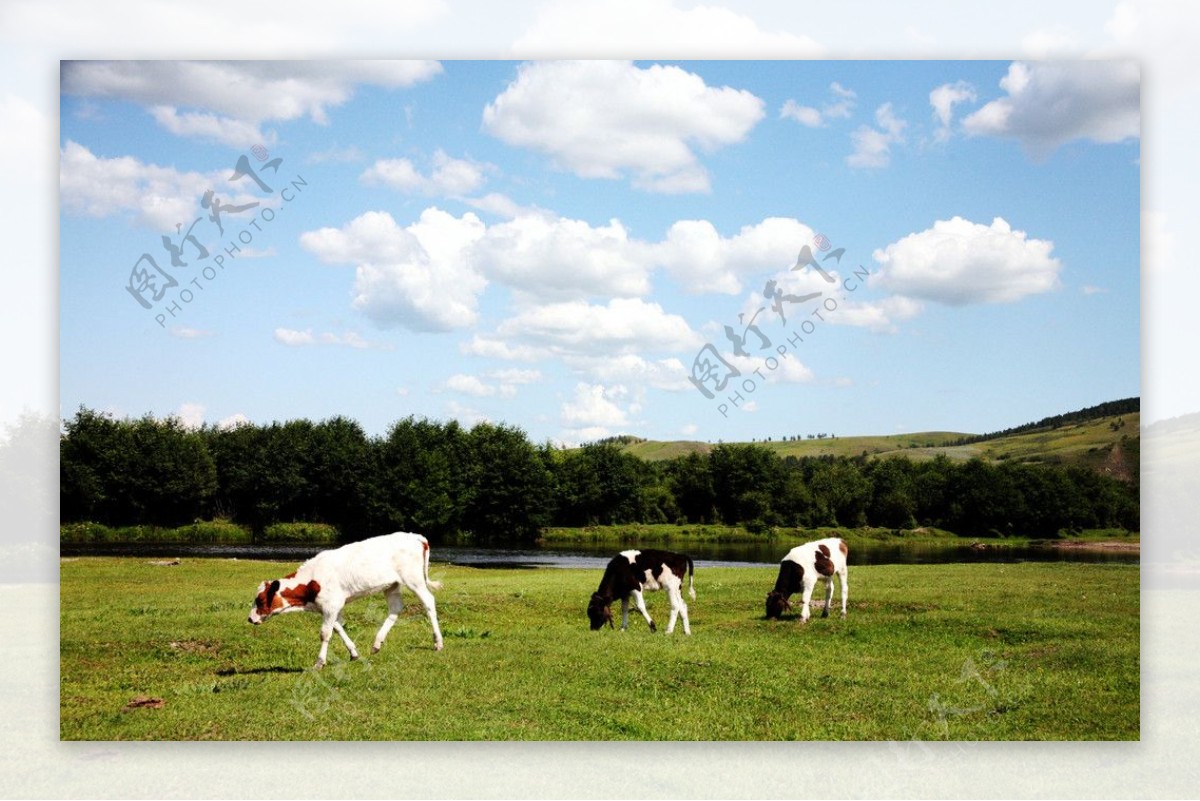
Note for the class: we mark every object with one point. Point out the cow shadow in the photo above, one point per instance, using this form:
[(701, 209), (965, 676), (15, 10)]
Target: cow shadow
[(231, 671)]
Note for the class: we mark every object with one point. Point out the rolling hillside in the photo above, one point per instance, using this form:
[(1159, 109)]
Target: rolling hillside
[(1109, 444)]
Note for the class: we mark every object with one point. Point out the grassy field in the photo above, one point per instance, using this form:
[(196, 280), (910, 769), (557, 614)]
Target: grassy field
[(1089, 444), (1018, 651)]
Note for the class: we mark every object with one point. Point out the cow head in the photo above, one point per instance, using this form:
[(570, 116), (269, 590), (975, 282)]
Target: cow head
[(282, 595), (777, 604), (600, 611)]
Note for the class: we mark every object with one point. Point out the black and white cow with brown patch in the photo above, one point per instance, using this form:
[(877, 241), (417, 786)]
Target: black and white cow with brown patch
[(799, 572), (630, 573), (325, 583)]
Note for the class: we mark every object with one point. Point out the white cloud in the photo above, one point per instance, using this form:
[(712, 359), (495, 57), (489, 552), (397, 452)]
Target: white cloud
[(805, 115), (631, 369), (879, 316), (349, 339), (191, 415), (943, 99), (233, 421), (416, 277), (554, 257), (958, 262), (788, 369), (622, 326), (612, 119), (467, 416), (619, 27), (469, 385), (702, 260), (507, 381), (840, 108), (265, 90), (158, 197), (594, 406), (449, 177), (1051, 103), (183, 332), (225, 130), (873, 146), (689, 429)]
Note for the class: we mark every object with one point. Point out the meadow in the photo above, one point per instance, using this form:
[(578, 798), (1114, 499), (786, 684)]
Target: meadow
[(929, 652)]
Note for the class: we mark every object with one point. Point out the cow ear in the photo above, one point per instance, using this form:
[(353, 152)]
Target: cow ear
[(314, 587)]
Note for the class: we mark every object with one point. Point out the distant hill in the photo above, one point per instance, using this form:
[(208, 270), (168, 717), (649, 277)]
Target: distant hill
[(1105, 438)]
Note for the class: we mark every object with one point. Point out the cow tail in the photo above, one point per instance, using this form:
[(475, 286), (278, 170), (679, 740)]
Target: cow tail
[(691, 579), (431, 584)]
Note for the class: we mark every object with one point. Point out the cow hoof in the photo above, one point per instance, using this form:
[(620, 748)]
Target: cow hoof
[(653, 628), (437, 646), (376, 648), (353, 657), (320, 664)]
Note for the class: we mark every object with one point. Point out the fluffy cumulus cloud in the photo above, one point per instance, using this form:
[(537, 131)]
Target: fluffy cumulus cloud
[(415, 277), (155, 196), (595, 406), (193, 98), (612, 119), (560, 258), (621, 326), (1050, 103), (959, 262), (447, 176), (696, 255)]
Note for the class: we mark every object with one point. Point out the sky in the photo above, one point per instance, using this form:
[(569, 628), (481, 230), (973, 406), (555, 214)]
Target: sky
[(708, 250)]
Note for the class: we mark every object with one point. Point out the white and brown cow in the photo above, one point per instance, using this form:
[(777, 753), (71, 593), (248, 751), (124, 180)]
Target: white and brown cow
[(631, 573), (799, 572), (325, 583)]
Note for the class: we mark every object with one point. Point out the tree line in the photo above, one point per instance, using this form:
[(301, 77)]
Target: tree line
[(490, 485)]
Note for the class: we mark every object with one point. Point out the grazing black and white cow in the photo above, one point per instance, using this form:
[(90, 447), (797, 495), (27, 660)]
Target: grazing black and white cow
[(799, 572), (326, 582), (631, 573)]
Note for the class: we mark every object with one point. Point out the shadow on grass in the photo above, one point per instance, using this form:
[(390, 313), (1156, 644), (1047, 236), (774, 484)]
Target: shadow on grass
[(249, 671)]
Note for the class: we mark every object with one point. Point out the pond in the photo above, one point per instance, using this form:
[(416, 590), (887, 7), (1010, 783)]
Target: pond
[(595, 556)]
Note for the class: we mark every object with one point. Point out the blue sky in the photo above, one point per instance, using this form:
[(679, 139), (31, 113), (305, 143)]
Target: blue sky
[(553, 244)]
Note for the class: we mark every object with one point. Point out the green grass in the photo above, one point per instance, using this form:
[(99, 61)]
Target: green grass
[(1021, 651), (202, 531), (1089, 444)]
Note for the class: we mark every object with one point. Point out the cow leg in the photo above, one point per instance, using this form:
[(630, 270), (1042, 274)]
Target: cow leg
[(339, 627), (624, 614), (828, 596), (426, 598), (395, 607), (641, 605), (843, 574), (678, 607), (327, 624), (807, 597)]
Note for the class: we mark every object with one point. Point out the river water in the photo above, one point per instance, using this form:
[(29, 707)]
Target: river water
[(583, 555)]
